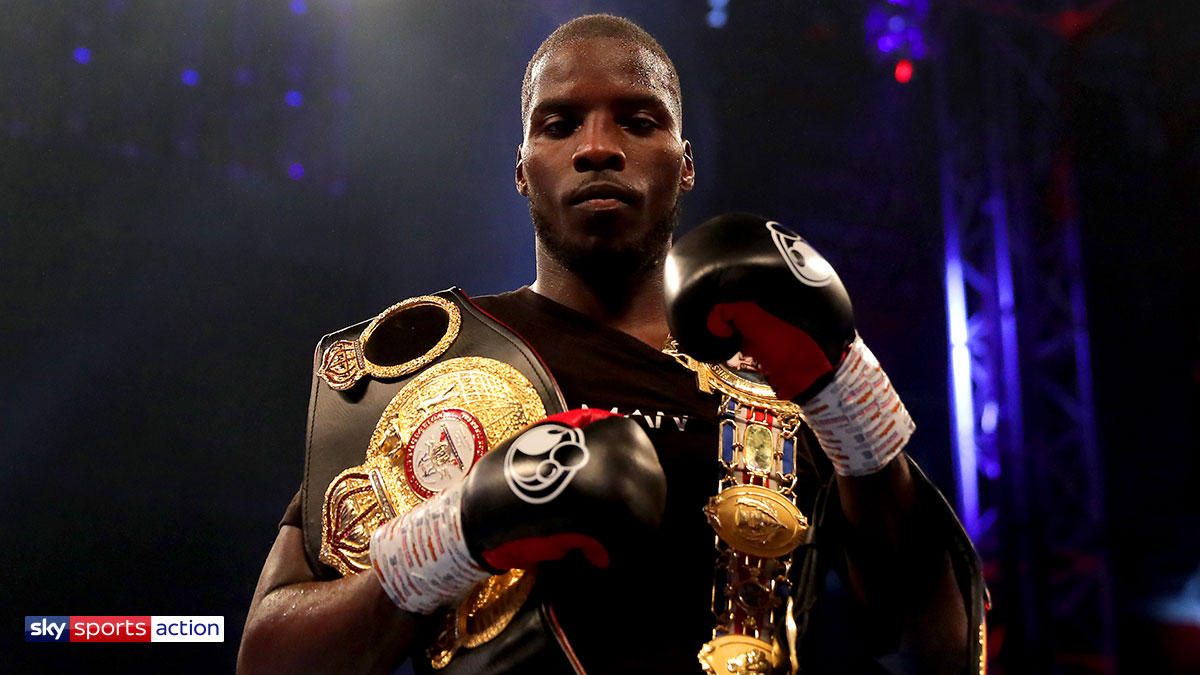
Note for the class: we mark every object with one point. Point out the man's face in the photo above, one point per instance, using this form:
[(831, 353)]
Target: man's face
[(602, 161)]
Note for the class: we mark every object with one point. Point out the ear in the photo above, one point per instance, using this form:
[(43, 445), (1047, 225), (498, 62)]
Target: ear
[(522, 185), (687, 176)]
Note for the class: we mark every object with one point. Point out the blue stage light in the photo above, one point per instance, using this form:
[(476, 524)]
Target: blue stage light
[(294, 98), (295, 171), (718, 13), (895, 30), (190, 77), (299, 7), (82, 55)]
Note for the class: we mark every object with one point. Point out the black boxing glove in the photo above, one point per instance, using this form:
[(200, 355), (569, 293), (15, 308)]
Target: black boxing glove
[(583, 479), (740, 282)]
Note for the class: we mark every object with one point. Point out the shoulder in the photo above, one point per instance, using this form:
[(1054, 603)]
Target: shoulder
[(517, 301)]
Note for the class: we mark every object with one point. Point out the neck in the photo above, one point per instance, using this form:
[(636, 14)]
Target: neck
[(633, 304)]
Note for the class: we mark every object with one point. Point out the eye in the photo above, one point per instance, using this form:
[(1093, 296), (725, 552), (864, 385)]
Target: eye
[(557, 127), (641, 124)]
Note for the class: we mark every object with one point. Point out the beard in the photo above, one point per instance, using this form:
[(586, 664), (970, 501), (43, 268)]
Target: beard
[(608, 263)]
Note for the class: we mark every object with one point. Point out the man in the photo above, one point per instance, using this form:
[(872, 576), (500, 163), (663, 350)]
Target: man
[(603, 164)]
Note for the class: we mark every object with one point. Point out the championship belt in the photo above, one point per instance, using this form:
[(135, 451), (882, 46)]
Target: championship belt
[(755, 517), (401, 409), (760, 602)]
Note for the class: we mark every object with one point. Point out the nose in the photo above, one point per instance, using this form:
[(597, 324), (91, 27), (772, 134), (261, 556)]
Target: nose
[(599, 147)]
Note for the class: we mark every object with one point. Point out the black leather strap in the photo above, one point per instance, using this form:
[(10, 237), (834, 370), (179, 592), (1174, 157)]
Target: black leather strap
[(340, 423)]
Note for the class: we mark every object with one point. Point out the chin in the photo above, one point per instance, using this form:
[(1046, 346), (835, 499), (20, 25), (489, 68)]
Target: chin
[(606, 245)]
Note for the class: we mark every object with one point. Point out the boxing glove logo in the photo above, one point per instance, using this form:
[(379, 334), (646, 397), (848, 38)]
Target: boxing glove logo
[(804, 261), (542, 461)]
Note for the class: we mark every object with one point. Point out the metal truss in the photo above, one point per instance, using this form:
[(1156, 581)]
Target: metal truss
[(1027, 459)]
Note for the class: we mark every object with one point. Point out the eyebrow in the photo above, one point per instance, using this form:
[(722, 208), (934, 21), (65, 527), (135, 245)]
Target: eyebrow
[(567, 103)]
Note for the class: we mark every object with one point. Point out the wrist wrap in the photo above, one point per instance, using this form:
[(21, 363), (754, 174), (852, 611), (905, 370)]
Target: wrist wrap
[(421, 558), (858, 418)]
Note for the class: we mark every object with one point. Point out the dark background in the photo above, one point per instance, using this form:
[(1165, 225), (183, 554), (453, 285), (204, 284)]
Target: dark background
[(163, 278)]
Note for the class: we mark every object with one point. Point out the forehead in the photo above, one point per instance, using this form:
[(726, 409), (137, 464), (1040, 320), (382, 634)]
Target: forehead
[(602, 66)]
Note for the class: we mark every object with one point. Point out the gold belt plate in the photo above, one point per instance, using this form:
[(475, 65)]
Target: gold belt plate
[(345, 362), (739, 655), (756, 520), (482, 616), (427, 439)]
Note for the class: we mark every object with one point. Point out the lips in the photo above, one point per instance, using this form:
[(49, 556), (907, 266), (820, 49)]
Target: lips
[(601, 192)]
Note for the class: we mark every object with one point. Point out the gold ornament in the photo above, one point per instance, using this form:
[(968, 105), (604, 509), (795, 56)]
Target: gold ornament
[(739, 655), (345, 362), (427, 439), (756, 520), (481, 617)]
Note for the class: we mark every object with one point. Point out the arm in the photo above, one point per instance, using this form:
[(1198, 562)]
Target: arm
[(741, 283), (900, 571), (298, 623), (584, 479)]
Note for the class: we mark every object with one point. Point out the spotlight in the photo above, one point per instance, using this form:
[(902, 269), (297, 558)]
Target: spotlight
[(718, 13)]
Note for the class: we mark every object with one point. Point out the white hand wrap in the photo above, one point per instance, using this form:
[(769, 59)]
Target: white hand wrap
[(860, 421), (421, 558)]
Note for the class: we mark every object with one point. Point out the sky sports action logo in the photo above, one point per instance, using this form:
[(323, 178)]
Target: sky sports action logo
[(124, 629)]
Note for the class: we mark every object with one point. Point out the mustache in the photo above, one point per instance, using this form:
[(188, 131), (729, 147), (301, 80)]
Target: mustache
[(605, 185)]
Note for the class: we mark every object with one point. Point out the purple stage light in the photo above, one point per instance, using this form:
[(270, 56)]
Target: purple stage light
[(894, 29), (82, 55), (190, 77), (295, 171), (875, 21), (294, 98), (298, 6)]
